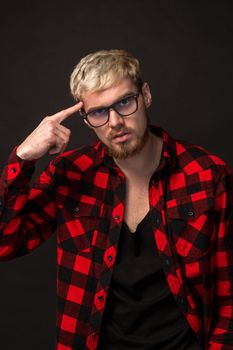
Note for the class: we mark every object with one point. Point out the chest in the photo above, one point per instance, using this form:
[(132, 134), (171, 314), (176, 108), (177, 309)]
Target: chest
[(136, 204)]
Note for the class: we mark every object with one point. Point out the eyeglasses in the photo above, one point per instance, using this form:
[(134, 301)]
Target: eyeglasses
[(124, 107)]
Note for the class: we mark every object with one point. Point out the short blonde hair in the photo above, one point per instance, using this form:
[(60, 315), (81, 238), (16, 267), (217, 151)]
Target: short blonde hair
[(102, 69)]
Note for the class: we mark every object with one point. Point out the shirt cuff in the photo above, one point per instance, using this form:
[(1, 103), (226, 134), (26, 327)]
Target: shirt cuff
[(17, 172)]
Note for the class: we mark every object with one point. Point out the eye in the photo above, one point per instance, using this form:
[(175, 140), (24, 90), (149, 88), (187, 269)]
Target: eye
[(125, 101), (98, 112)]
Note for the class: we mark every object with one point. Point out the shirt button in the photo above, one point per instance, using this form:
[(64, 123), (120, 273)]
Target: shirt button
[(117, 217), (76, 210), (13, 170), (167, 262), (109, 256), (190, 213), (99, 300)]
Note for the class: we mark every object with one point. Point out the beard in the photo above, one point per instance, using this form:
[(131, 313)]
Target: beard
[(129, 148)]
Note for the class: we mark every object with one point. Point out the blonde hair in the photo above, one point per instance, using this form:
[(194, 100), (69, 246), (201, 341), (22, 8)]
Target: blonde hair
[(102, 69)]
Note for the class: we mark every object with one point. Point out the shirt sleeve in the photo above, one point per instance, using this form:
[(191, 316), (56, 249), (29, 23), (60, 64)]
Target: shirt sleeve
[(27, 215), (222, 333)]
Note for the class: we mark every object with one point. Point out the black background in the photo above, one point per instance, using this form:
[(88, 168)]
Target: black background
[(185, 49)]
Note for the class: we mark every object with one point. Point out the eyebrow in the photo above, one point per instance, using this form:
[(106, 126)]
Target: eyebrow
[(129, 93)]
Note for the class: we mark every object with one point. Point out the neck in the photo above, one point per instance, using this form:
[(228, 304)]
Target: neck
[(144, 163)]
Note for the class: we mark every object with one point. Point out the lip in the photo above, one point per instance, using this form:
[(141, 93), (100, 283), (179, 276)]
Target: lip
[(121, 137)]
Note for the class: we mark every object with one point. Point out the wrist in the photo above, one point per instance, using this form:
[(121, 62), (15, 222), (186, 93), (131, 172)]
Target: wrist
[(22, 154)]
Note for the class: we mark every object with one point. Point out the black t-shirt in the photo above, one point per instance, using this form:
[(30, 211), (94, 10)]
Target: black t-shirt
[(141, 313)]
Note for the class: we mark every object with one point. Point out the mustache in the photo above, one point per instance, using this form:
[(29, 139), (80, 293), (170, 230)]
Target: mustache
[(122, 131)]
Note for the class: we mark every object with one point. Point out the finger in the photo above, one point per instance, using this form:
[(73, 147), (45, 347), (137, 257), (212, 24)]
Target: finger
[(58, 145), (64, 129), (63, 136), (63, 148), (58, 150), (64, 114), (58, 140)]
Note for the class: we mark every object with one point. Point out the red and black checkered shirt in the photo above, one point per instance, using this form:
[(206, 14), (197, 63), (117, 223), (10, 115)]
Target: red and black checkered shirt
[(81, 195)]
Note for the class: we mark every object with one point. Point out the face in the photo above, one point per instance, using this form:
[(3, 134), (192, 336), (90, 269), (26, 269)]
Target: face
[(122, 136)]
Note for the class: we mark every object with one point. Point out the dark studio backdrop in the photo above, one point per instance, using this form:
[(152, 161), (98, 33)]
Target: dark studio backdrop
[(185, 50)]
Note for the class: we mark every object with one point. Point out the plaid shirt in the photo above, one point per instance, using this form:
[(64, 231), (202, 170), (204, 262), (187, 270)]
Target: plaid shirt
[(80, 196)]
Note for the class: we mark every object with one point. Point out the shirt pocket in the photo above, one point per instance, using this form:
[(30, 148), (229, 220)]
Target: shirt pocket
[(77, 223), (190, 225)]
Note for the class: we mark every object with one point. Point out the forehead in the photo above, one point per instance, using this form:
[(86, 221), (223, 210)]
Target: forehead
[(109, 95)]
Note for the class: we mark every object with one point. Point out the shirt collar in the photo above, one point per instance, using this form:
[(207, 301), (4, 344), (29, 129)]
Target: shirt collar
[(168, 155)]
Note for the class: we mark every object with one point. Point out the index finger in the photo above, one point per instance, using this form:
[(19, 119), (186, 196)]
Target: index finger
[(65, 113)]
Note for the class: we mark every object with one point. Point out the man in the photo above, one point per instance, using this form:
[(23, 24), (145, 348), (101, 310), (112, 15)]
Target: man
[(143, 221)]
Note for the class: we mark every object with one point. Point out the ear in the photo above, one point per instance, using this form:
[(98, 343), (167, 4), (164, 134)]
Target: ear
[(146, 94)]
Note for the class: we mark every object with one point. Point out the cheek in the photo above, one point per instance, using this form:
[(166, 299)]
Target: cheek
[(141, 123), (101, 134)]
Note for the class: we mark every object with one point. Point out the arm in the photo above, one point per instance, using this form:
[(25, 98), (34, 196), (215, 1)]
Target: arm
[(222, 333), (27, 216)]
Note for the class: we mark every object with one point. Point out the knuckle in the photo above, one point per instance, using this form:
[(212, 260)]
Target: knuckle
[(50, 121), (51, 138), (50, 127)]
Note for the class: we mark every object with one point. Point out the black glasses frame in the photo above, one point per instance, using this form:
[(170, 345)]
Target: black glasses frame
[(112, 106)]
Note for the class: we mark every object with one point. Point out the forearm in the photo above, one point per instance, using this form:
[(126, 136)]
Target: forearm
[(24, 223)]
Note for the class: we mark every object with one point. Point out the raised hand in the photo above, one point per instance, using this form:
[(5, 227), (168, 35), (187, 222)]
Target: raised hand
[(49, 135)]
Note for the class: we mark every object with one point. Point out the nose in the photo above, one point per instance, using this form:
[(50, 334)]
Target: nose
[(115, 119)]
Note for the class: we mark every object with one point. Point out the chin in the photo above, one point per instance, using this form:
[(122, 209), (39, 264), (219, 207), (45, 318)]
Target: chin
[(125, 150)]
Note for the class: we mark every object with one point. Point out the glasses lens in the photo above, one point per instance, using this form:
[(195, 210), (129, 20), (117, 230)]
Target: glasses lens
[(126, 106), (98, 117)]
